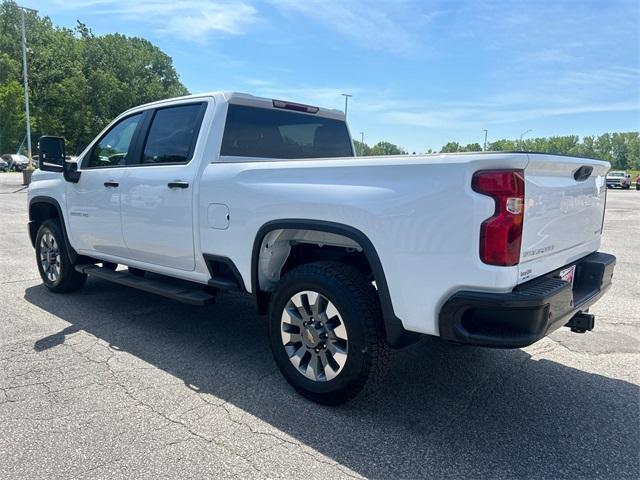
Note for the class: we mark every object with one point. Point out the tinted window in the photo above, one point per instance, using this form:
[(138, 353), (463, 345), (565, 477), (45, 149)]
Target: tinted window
[(113, 147), (266, 133), (173, 134)]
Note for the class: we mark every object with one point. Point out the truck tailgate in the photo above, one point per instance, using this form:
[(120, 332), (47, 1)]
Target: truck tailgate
[(564, 209)]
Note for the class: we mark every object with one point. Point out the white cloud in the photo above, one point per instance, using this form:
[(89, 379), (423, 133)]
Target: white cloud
[(394, 26), (474, 118), (585, 92), (190, 20)]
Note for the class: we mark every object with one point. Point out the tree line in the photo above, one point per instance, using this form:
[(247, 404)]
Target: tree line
[(78, 81), (621, 149)]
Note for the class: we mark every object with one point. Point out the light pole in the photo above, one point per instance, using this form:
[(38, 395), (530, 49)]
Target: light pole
[(26, 178), (485, 140), (346, 102), (522, 135), (361, 143)]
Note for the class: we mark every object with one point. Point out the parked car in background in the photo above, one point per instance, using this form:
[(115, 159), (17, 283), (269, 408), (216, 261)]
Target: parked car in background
[(4, 166), (16, 162), (638, 182), (618, 179)]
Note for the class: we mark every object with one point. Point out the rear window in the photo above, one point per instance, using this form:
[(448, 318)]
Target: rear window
[(266, 133)]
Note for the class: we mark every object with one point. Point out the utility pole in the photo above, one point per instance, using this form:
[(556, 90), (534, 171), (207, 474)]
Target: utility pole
[(346, 102), (361, 143), (485, 140), (521, 136), (26, 82)]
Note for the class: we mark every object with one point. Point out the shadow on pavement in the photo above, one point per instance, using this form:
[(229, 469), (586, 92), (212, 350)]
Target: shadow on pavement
[(444, 411)]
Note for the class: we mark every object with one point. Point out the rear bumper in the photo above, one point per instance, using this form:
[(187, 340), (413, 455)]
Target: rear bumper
[(528, 313)]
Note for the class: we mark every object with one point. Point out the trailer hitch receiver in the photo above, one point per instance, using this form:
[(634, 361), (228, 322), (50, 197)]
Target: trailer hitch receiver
[(581, 322)]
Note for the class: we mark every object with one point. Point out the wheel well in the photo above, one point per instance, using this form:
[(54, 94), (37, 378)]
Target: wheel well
[(281, 250), (316, 235), (45, 208), (302, 253), (38, 213)]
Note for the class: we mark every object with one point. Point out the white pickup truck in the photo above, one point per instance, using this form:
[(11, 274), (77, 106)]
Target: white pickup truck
[(350, 256)]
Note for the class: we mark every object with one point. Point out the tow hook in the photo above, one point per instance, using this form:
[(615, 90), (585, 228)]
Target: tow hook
[(581, 322)]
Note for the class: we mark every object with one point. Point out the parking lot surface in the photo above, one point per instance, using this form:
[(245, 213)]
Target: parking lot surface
[(111, 382)]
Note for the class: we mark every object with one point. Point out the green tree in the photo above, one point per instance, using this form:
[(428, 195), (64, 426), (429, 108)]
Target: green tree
[(453, 147), (362, 149), (502, 146), (386, 148), (450, 147), (12, 118), (472, 147), (78, 81)]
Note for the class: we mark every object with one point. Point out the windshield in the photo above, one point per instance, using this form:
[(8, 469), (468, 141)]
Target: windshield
[(270, 133), (616, 174)]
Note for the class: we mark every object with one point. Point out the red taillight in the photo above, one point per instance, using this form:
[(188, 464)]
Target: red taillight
[(501, 235)]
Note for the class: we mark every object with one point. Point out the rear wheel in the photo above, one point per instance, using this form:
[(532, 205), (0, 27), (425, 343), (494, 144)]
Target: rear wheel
[(326, 332), (54, 265)]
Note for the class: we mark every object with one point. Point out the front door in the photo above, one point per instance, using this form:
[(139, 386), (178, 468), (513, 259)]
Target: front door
[(158, 191), (94, 202)]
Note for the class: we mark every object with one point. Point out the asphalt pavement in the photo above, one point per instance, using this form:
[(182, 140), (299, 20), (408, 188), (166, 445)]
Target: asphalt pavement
[(111, 382)]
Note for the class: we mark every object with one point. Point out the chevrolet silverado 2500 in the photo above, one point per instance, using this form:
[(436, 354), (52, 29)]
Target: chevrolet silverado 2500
[(349, 256)]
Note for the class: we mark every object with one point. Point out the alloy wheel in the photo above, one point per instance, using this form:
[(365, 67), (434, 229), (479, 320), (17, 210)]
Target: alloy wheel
[(50, 256), (314, 336)]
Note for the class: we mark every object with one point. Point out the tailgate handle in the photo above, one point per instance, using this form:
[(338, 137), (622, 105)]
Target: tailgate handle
[(583, 173)]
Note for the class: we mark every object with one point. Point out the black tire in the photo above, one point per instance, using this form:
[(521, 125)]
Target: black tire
[(136, 272), (358, 306), (68, 279)]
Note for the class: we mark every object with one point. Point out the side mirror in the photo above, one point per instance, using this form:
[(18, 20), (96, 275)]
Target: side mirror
[(51, 154)]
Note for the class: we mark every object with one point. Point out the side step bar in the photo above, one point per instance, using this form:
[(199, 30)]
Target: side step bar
[(181, 291)]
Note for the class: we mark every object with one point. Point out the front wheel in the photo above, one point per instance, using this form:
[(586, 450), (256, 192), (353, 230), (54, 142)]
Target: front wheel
[(54, 265), (326, 332)]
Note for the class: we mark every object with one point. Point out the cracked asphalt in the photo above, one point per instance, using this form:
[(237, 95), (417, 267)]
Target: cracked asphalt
[(111, 382)]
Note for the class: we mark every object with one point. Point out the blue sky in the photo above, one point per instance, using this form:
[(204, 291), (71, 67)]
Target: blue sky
[(421, 72)]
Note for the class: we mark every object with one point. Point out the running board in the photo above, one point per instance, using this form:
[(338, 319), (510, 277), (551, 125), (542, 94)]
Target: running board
[(182, 291)]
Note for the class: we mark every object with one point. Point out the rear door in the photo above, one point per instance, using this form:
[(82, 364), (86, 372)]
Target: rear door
[(564, 209), (158, 191)]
